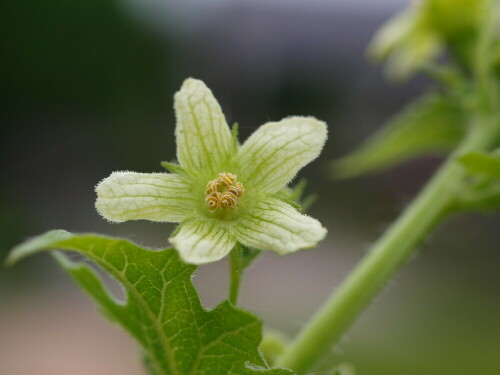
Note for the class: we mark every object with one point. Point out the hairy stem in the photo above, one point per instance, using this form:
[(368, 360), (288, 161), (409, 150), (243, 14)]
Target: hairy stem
[(236, 272), (385, 258)]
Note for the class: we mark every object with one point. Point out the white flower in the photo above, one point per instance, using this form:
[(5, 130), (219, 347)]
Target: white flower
[(222, 193)]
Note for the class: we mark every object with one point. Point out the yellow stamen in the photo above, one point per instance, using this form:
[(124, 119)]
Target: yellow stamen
[(227, 178), (223, 192), (212, 187), (213, 200), (228, 199)]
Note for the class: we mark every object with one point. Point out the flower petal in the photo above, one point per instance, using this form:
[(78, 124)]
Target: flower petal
[(201, 242), (151, 196), (204, 140), (275, 225), (274, 154)]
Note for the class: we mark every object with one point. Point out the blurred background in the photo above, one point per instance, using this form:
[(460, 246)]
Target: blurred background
[(86, 88)]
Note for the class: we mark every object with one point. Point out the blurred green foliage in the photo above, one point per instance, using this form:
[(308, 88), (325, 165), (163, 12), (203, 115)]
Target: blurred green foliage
[(417, 36), (435, 124)]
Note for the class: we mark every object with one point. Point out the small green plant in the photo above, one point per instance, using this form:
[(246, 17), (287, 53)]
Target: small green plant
[(233, 199)]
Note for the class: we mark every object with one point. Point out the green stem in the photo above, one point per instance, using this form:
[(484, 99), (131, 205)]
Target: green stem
[(386, 257), (403, 237), (236, 272), (486, 89)]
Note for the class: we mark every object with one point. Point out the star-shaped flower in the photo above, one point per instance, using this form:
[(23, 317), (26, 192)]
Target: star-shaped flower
[(221, 192)]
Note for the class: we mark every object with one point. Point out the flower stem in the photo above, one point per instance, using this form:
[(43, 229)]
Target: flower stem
[(236, 272), (386, 257), (483, 57)]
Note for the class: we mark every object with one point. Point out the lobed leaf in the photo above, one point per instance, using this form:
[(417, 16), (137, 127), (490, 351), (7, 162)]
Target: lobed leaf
[(432, 125), (162, 310)]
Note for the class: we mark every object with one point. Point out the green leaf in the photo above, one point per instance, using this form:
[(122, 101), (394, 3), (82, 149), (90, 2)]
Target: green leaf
[(432, 125), (162, 310), (481, 164), (480, 190)]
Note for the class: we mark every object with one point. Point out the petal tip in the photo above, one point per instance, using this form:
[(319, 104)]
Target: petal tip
[(316, 125), (277, 226), (187, 255), (191, 85), (199, 242), (276, 151)]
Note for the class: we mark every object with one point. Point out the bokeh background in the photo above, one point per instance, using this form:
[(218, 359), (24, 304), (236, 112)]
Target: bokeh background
[(86, 88)]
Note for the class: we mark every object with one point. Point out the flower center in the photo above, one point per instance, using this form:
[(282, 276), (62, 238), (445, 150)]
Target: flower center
[(223, 192)]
